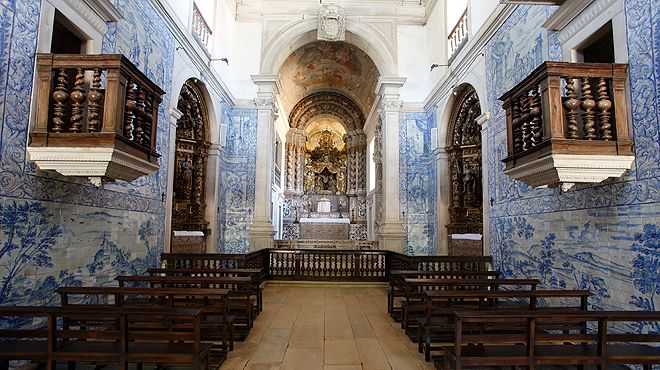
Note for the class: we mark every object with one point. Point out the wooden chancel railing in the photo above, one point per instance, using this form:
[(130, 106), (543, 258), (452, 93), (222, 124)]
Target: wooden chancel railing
[(568, 123), (332, 265), (102, 103)]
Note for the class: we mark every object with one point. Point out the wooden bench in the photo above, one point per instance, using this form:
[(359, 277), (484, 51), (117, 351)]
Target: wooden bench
[(436, 326), (421, 310), (397, 290), (106, 335), (526, 343), (216, 323), (257, 275), (241, 304)]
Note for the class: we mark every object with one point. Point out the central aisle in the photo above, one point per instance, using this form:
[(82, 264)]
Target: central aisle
[(329, 327)]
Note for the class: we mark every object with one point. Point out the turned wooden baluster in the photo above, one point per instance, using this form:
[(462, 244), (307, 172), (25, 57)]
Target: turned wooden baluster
[(78, 97), (517, 127), (139, 114), (129, 116), (588, 103), (536, 117), (603, 105), (525, 123), (95, 106), (61, 97), (148, 123), (572, 105)]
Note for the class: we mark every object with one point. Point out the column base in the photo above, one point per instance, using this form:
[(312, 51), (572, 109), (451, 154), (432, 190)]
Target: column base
[(261, 235), (391, 236)]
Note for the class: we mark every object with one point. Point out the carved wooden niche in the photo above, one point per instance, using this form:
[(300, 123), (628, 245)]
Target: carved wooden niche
[(192, 144), (466, 209)]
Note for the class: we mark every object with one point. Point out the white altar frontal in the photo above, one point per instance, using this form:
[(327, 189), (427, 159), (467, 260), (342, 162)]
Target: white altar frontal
[(325, 225)]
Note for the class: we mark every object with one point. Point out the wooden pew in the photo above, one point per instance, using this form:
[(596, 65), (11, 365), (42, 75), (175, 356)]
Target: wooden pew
[(437, 325), (397, 287), (417, 303), (256, 274), (240, 289), (216, 324), (526, 344), (105, 335)]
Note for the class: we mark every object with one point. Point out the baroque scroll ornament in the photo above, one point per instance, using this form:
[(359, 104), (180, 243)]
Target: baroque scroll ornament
[(331, 23)]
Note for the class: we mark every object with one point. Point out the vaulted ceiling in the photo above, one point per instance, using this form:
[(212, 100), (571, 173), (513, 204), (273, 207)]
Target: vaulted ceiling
[(331, 67)]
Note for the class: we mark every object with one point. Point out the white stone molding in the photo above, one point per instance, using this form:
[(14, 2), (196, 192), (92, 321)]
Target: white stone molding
[(566, 13), (570, 168), (484, 121), (585, 18), (104, 8), (91, 162), (331, 23)]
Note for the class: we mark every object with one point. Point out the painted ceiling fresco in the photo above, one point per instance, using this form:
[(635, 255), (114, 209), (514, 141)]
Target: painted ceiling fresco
[(329, 66)]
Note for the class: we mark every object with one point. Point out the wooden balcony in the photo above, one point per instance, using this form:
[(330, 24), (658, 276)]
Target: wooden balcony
[(96, 116), (567, 123)]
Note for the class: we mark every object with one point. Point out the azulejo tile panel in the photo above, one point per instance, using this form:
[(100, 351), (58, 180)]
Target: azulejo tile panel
[(62, 231), (417, 181), (238, 173), (601, 237)]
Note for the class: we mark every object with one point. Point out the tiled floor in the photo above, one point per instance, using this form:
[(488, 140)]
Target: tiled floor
[(325, 327)]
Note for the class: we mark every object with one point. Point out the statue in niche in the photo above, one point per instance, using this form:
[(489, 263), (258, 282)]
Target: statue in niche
[(469, 181), (185, 178)]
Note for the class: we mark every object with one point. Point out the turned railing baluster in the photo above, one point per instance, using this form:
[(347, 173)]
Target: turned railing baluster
[(572, 105), (129, 115), (587, 104), (603, 105), (61, 97), (139, 115), (78, 97), (526, 124), (95, 105), (536, 117), (517, 127)]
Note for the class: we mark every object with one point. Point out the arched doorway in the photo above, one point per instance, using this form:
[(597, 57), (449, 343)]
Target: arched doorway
[(464, 150), (190, 167), (327, 88)]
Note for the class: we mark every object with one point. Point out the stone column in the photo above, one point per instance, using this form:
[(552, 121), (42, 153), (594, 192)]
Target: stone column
[(212, 177), (391, 233), (484, 121), (444, 198), (175, 114), (261, 230)]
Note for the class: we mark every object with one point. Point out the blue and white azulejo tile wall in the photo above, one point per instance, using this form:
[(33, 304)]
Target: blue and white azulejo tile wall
[(61, 231), (604, 237)]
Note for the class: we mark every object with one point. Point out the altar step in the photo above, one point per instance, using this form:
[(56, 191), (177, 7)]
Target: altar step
[(326, 244)]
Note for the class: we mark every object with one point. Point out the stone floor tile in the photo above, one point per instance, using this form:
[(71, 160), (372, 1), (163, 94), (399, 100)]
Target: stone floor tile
[(306, 336), (303, 359), (340, 352), (272, 346), (371, 354)]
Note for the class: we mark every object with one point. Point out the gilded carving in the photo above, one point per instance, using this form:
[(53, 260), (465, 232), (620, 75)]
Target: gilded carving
[(190, 161)]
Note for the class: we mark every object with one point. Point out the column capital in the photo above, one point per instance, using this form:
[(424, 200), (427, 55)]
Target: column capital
[(441, 153), (484, 120), (389, 85), (266, 84), (175, 114)]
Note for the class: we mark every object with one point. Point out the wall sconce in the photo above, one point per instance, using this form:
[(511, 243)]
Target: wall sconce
[(435, 65)]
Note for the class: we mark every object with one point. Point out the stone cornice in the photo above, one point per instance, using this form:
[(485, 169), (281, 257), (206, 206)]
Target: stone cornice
[(197, 56), (104, 8), (585, 17), (566, 13)]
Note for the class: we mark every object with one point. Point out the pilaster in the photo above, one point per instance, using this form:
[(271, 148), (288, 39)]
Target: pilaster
[(442, 169), (484, 121), (175, 114), (261, 230), (391, 233)]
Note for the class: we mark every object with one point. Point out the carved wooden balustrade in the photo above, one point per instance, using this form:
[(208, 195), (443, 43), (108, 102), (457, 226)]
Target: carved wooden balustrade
[(332, 265), (568, 123), (96, 115)]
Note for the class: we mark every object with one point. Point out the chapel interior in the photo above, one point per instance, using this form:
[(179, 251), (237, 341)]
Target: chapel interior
[(331, 184)]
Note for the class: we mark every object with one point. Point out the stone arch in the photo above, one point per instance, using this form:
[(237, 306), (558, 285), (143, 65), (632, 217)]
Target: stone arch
[(330, 103), (359, 34)]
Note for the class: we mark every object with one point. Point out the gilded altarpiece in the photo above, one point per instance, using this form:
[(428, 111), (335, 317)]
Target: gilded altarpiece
[(466, 207), (325, 170), (192, 144)]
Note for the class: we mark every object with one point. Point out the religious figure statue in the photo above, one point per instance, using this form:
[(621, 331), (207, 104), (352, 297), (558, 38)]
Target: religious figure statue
[(185, 177), (468, 180)]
